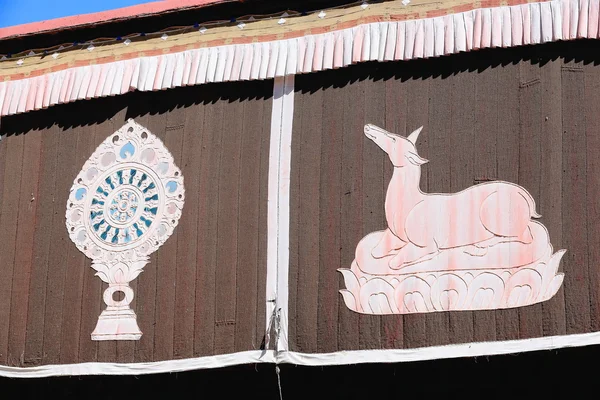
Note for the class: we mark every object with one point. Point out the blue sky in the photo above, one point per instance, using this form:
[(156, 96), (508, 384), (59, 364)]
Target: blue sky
[(17, 12)]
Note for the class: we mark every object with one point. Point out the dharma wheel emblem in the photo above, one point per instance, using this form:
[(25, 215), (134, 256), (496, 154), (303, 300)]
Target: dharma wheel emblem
[(123, 206)]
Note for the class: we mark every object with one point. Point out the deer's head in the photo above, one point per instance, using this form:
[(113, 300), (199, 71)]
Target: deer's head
[(400, 149)]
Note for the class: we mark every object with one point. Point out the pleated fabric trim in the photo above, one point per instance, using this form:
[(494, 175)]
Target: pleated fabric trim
[(504, 26)]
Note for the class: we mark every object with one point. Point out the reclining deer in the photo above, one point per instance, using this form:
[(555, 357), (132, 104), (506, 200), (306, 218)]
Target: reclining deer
[(420, 225)]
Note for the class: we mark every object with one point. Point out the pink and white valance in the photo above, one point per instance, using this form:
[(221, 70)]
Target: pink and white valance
[(505, 26)]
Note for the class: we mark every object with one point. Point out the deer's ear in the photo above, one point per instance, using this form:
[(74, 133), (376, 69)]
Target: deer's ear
[(415, 159), (414, 136)]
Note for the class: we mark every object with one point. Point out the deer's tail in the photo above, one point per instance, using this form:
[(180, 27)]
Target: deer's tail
[(529, 199)]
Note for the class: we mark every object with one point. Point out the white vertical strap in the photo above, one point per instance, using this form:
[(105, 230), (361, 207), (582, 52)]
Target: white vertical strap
[(278, 218)]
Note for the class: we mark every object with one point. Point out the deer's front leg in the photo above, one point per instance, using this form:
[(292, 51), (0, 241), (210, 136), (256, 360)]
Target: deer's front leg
[(412, 254), (389, 244)]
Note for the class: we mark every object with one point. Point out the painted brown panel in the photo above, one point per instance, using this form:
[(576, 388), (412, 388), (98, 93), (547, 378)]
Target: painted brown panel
[(91, 303), (309, 142), (167, 254), (550, 203), (484, 166), (185, 288), (74, 273), (228, 233), (575, 221), (437, 177), (418, 93), (351, 211), (250, 206), (155, 121), (592, 124), (510, 115), (507, 154), (107, 350), (207, 238), (395, 118), (53, 300), (329, 219), (373, 196), (462, 140), (24, 245), (530, 108), (8, 232)]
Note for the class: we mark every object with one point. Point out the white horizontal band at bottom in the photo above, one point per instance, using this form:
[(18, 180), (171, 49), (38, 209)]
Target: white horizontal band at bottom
[(156, 367), (319, 359)]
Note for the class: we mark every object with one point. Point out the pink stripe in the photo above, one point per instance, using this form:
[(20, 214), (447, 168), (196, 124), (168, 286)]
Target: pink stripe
[(460, 41), (310, 53), (135, 78), (390, 43), (317, 61), (546, 22), (46, 92), (24, 96), (274, 57), (486, 28), (338, 52), (506, 27), (583, 18), (517, 25), (419, 39), (128, 73), (400, 41), (496, 27), (56, 86), (536, 23), (429, 37), (187, 69), (41, 91), (247, 62), (449, 34), (160, 72), (65, 86), (348, 40), (410, 40), (85, 82), (7, 97), (78, 73), (110, 79), (366, 46), (292, 57), (566, 18), (230, 61), (194, 67), (167, 81), (91, 92), (102, 80), (593, 20), (31, 94), (328, 51), (477, 27), (373, 42), (383, 33), (178, 72), (301, 53), (358, 42), (115, 88), (526, 25), (468, 19), (238, 58), (14, 101), (574, 10)]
